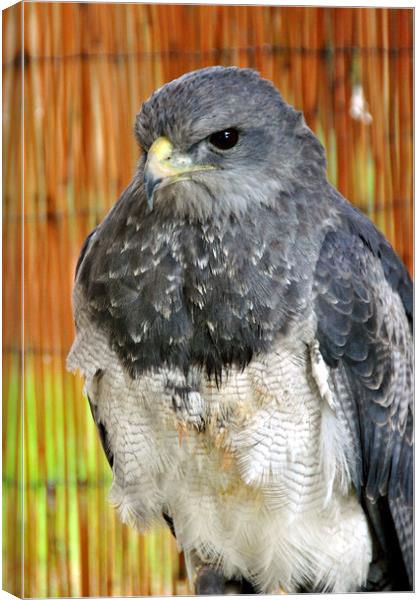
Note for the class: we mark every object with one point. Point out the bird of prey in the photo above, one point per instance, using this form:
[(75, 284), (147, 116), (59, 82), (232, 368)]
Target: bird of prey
[(245, 336)]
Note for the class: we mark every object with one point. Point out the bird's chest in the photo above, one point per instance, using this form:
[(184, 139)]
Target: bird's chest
[(253, 439), (238, 467), (209, 295)]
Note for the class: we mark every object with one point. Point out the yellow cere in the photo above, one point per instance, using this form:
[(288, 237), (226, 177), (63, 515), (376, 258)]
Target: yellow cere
[(164, 161), (161, 148)]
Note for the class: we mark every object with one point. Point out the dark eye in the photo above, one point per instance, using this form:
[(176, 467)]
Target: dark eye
[(224, 140)]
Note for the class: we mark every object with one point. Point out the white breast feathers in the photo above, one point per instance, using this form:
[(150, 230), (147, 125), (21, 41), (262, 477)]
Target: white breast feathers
[(254, 473)]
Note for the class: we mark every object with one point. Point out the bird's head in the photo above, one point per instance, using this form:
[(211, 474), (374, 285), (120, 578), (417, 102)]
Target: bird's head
[(220, 138)]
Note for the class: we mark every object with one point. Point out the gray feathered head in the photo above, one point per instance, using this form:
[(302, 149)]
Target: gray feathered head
[(221, 138)]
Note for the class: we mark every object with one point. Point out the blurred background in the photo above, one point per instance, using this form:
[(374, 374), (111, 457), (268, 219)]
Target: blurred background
[(86, 70)]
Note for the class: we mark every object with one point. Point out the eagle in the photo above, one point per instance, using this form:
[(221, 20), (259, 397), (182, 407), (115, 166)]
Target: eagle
[(245, 337)]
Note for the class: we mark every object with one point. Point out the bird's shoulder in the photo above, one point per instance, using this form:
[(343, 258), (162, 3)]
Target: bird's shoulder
[(363, 307), (355, 229)]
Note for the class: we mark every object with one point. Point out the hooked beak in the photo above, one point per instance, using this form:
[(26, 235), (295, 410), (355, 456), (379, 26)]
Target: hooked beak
[(165, 164)]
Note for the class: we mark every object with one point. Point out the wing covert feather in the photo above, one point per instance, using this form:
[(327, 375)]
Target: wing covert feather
[(365, 338)]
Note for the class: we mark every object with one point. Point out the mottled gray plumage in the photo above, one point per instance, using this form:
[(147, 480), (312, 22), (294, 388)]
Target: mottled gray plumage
[(207, 298)]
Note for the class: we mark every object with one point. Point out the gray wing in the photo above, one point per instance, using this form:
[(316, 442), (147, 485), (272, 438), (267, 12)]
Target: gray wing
[(363, 300), (99, 425), (103, 435)]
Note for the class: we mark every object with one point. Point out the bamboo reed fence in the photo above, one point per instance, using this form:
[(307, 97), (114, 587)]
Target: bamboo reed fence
[(84, 70)]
